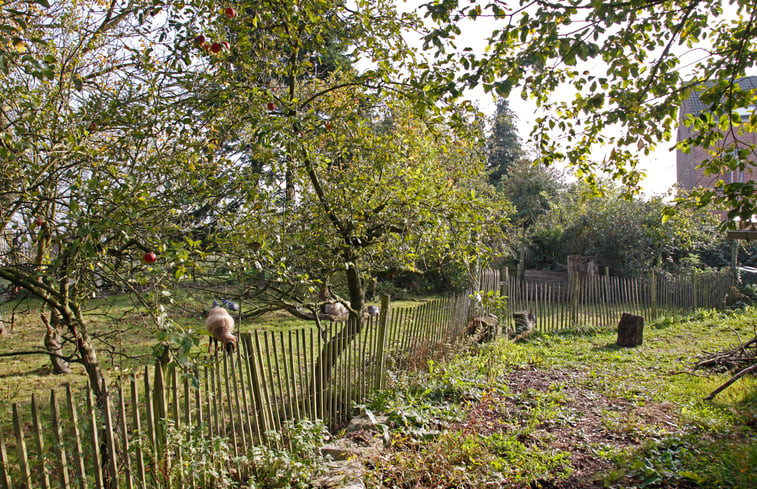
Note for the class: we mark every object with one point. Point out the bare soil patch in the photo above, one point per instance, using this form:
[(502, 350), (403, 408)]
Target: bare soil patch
[(580, 427)]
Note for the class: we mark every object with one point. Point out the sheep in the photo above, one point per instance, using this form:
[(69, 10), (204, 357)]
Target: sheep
[(335, 310), (220, 325), (373, 310)]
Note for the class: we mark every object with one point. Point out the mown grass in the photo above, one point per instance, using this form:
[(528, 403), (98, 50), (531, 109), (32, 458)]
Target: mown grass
[(124, 333), (574, 410)]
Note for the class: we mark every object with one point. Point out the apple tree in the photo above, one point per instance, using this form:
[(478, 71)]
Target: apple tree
[(96, 162), (339, 172)]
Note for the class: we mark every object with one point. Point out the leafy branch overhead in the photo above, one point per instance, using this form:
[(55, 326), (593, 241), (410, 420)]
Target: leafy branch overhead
[(613, 75)]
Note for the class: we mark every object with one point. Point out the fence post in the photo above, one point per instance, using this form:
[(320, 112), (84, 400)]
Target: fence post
[(5, 478), (21, 447), (694, 289), (653, 293), (381, 342), (573, 301)]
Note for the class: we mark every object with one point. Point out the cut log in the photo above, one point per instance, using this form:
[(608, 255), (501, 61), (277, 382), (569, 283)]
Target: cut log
[(482, 328), (630, 330)]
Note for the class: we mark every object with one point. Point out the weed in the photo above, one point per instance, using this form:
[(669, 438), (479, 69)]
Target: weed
[(191, 459)]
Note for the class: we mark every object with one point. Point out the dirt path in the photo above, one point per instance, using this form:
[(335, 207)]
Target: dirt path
[(588, 425)]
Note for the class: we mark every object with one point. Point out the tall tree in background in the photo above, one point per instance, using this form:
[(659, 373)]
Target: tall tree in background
[(377, 174), (503, 146)]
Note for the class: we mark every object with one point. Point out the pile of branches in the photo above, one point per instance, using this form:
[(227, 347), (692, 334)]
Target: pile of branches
[(741, 359)]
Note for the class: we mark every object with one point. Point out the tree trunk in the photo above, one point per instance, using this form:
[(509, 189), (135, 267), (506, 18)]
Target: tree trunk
[(336, 345), (630, 330), (53, 343), (72, 318)]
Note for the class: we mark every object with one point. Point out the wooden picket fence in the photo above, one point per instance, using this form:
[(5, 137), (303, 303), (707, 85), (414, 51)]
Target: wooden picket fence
[(172, 428), (599, 301), (68, 440)]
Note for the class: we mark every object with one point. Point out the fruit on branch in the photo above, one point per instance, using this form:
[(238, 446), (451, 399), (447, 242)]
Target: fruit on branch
[(150, 257)]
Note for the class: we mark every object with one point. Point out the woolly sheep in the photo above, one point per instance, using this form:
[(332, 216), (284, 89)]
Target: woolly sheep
[(220, 325), (336, 309)]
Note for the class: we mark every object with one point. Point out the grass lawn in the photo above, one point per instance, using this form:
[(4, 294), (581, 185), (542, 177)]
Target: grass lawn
[(555, 411), (574, 410), (123, 335)]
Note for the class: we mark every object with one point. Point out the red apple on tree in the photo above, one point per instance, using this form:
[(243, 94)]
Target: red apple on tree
[(230, 12), (150, 257), (38, 221), (271, 106), (216, 47), (200, 41), (226, 45)]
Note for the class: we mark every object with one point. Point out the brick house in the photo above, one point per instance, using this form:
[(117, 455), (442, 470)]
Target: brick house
[(688, 175)]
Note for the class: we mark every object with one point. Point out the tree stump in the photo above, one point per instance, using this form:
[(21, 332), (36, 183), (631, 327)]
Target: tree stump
[(482, 328), (630, 330)]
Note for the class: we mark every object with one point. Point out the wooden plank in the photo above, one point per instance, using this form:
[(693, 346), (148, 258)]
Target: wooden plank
[(318, 385), (150, 413), (94, 439), (309, 381), (229, 404), (23, 460), (284, 406), (208, 402), (126, 464), (5, 477), (137, 424), (402, 331), (237, 403), (255, 392), (290, 377), (241, 368), (218, 415), (187, 402), (271, 394), (363, 362), (174, 392), (40, 443), (110, 440), (60, 449), (81, 473), (270, 423)]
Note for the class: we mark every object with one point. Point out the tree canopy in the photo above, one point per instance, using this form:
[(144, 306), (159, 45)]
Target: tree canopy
[(239, 141), (614, 74)]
